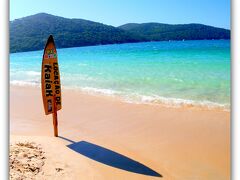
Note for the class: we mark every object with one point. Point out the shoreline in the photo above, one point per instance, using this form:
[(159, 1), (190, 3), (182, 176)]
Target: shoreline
[(178, 143), (161, 101)]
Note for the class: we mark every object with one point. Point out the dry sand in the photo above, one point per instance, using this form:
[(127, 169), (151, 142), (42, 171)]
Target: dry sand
[(26, 160), (178, 143)]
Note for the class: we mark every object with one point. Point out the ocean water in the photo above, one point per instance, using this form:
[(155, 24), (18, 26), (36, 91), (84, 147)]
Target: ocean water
[(172, 73)]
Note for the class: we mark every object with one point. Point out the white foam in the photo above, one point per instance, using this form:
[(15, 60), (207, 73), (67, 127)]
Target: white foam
[(33, 73), (147, 98), (25, 83), (137, 98), (22, 73), (178, 102), (99, 91), (156, 100), (179, 80)]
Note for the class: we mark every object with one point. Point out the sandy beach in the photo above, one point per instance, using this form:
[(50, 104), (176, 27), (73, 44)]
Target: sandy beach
[(144, 141)]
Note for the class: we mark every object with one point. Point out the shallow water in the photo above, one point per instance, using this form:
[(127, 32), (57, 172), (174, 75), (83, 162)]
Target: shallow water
[(175, 72)]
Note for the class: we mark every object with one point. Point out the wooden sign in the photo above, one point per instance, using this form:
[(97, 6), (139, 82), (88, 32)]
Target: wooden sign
[(51, 87)]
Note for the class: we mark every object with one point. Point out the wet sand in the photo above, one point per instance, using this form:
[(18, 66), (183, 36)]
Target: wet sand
[(176, 143)]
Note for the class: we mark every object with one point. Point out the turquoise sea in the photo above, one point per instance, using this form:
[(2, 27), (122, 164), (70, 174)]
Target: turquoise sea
[(169, 72)]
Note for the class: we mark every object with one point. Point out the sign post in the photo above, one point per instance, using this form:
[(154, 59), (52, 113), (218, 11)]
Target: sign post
[(55, 120), (51, 87)]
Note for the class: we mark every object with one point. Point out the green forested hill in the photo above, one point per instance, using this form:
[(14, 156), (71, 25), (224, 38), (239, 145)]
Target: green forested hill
[(161, 32), (30, 33)]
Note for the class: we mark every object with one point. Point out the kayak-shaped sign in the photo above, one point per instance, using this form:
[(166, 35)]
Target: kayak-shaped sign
[(51, 86)]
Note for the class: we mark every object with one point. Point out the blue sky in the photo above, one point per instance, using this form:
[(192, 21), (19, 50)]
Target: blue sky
[(118, 12)]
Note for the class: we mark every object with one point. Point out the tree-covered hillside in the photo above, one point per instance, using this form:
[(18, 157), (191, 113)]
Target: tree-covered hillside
[(30, 33), (162, 32)]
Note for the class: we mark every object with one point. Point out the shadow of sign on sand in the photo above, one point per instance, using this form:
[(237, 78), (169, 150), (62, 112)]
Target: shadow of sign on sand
[(110, 157)]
